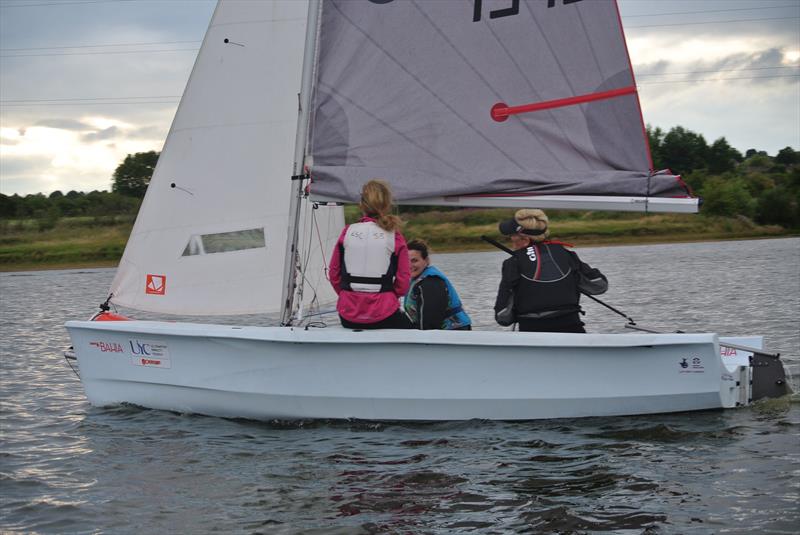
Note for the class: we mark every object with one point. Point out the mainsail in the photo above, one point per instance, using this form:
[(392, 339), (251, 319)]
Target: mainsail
[(210, 237), (405, 91)]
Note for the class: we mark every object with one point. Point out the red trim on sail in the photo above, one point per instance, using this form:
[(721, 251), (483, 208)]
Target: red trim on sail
[(633, 81), (538, 194), (686, 186), (501, 111)]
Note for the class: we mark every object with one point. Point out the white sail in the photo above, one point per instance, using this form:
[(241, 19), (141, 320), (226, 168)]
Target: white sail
[(211, 233)]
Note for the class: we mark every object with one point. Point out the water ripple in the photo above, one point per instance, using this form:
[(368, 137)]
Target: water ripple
[(66, 467)]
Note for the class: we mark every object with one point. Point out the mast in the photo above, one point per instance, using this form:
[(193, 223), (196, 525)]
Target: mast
[(301, 140)]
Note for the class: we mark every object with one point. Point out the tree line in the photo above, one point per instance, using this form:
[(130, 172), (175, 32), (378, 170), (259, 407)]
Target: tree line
[(128, 185), (755, 185)]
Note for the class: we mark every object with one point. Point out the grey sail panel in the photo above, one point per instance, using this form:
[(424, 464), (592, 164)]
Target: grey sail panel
[(404, 91)]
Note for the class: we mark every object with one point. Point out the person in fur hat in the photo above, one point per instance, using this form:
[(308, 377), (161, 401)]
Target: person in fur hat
[(543, 280)]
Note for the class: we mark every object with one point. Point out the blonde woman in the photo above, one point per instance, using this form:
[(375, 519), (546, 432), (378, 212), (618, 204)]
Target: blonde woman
[(543, 280), (369, 267)]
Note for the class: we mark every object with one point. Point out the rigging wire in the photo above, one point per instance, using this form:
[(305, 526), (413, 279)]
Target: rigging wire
[(314, 304)]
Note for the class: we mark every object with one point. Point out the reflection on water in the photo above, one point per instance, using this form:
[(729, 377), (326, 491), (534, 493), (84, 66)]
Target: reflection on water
[(69, 468)]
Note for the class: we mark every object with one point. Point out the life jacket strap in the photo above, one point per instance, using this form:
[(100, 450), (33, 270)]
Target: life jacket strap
[(453, 311), (552, 312), (386, 280)]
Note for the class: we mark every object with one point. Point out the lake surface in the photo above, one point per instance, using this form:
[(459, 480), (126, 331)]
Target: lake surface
[(66, 467)]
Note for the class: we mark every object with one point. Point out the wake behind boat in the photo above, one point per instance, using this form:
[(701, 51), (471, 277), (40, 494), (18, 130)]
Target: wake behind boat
[(447, 101)]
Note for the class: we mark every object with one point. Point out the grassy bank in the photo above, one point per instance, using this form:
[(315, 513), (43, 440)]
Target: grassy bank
[(67, 243), (99, 241), (461, 231)]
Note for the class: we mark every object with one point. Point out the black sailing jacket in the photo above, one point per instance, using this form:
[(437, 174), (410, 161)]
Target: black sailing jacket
[(545, 280)]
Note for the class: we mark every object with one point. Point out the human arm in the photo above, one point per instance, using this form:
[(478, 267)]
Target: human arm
[(590, 280), (335, 265), (504, 304), (402, 277)]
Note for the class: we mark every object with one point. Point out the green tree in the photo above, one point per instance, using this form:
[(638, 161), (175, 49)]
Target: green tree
[(727, 197), (779, 206), (722, 157), (757, 183), (758, 162), (132, 176), (787, 156), (683, 151), (655, 137), (34, 205), (695, 179), (8, 206), (754, 152)]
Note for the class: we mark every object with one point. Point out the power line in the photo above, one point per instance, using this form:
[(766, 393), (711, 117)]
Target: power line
[(100, 53), (98, 46), (719, 79), (64, 3), (709, 22), (717, 70), (84, 104), (140, 97), (62, 47), (85, 99), (99, 101), (709, 11)]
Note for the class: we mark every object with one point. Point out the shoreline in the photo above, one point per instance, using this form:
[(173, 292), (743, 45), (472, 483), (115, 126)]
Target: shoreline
[(447, 249)]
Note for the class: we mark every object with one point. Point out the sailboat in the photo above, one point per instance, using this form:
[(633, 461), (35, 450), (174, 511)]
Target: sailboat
[(290, 107)]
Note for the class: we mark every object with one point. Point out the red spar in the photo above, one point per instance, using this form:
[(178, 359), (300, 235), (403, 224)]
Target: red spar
[(501, 111)]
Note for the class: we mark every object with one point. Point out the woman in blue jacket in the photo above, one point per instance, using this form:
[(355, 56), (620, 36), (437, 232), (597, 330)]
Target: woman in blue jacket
[(432, 302)]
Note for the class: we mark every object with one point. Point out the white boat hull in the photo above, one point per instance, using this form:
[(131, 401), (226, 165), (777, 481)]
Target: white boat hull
[(287, 373)]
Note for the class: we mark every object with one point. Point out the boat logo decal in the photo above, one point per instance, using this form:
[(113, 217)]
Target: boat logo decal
[(727, 351), (108, 347), (692, 365), (156, 284), (149, 353)]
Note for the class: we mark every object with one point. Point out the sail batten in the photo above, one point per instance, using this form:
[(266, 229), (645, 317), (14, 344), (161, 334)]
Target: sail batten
[(501, 111), (404, 92)]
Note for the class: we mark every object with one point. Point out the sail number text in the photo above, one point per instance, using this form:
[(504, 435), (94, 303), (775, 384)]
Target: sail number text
[(513, 9)]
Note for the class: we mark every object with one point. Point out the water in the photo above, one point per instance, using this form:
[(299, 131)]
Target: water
[(66, 467)]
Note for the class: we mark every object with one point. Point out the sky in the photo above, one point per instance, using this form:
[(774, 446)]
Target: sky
[(85, 82)]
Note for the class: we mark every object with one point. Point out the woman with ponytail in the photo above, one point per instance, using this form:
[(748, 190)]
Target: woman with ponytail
[(369, 267)]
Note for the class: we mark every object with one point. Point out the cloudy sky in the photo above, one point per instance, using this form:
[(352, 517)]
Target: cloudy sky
[(85, 82)]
